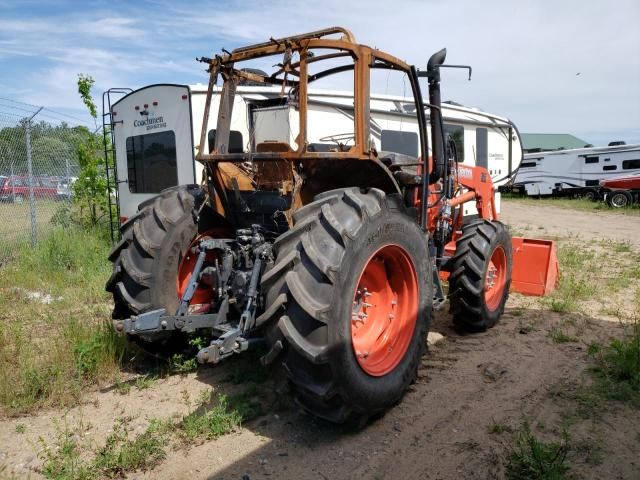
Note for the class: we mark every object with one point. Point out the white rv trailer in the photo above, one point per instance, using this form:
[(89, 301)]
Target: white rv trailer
[(577, 171), (156, 128)]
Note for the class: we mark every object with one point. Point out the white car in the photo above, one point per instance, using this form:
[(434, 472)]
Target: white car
[(64, 190)]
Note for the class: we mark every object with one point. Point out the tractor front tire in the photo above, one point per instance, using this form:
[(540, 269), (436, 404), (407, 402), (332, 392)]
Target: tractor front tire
[(480, 275), (146, 260), (349, 297)]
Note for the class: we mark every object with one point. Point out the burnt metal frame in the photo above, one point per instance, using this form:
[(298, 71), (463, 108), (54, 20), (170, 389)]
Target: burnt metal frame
[(364, 58)]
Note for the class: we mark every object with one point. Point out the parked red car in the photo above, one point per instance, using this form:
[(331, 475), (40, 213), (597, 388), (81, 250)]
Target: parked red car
[(15, 188)]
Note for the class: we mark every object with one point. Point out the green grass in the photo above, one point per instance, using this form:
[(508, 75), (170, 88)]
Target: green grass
[(179, 363), (560, 336), (581, 277), (145, 381), (15, 224), (62, 461), (246, 370), (578, 402), (208, 423), (573, 203), (247, 403), (617, 368), (499, 428), (69, 459), (50, 352), (120, 453), (534, 459)]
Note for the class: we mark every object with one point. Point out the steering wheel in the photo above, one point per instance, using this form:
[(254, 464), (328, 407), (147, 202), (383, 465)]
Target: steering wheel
[(340, 139)]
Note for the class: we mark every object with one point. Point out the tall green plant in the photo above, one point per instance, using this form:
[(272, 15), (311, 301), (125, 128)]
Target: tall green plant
[(91, 190)]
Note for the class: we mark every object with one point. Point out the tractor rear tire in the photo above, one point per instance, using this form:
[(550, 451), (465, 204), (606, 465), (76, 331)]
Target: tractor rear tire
[(318, 303), (619, 199), (146, 260), (480, 275)]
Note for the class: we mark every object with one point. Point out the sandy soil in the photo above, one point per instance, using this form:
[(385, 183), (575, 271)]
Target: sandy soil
[(441, 428)]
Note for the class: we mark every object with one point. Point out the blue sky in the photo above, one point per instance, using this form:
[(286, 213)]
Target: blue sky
[(551, 66)]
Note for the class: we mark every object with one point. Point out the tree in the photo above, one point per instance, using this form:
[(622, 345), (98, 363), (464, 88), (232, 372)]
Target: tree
[(91, 190)]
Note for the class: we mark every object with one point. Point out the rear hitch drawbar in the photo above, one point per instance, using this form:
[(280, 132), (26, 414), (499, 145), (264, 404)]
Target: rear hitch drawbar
[(226, 345)]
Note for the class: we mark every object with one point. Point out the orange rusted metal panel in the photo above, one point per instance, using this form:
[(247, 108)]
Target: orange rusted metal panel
[(535, 266)]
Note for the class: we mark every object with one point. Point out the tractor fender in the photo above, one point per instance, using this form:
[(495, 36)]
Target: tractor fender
[(321, 175)]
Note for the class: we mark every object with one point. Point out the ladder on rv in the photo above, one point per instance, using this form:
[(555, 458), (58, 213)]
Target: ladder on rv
[(111, 168)]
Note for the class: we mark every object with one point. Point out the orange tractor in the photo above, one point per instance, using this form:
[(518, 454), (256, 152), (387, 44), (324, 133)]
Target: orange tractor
[(332, 256)]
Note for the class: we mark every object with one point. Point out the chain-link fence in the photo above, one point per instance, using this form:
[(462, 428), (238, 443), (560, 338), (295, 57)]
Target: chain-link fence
[(38, 166)]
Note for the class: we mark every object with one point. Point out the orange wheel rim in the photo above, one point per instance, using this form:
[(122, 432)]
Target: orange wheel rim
[(495, 279), (385, 310), (203, 296)]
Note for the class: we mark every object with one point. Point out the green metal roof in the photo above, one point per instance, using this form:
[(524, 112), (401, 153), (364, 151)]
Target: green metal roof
[(551, 141)]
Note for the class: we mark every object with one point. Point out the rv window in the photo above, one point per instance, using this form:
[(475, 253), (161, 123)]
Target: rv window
[(400, 142), (610, 167), (236, 143), (482, 152), (457, 133), (591, 183), (528, 164), (151, 162), (629, 164), (591, 159)]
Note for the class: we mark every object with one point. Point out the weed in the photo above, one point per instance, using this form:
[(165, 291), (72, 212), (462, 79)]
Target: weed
[(559, 336), (186, 398), (180, 364), (617, 369), (210, 423), (197, 342), (593, 348), (585, 402), (591, 450), (21, 428), (121, 454), (62, 461), (145, 381), (532, 459), (497, 427), (123, 388), (621, 247), (240, 374), (574, 285), (247, 403), (612, 311), (101, 345), (574, 258), (205, 396)]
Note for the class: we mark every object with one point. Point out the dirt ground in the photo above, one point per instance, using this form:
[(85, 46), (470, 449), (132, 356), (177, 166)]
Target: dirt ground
[(530, 218), (442, 427)]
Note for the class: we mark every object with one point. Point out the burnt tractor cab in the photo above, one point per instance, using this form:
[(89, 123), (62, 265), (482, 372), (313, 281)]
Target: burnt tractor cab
[(324, 247)]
